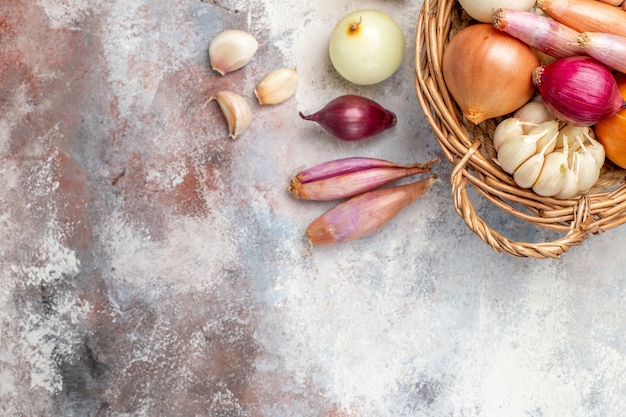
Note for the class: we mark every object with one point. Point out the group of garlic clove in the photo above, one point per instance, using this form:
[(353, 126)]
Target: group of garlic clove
[(231, 50), (553, 159)]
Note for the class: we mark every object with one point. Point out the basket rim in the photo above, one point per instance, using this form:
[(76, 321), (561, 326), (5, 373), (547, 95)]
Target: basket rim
[(464, 145)]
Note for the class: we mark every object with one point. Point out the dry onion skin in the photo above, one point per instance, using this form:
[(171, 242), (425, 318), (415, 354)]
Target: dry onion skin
[(488, 72)]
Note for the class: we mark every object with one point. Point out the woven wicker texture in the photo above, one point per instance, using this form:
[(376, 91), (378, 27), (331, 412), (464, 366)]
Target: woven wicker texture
[(470, 149)]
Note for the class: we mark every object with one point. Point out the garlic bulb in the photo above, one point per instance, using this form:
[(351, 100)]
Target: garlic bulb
[(231, 50), (236, 111), (554, 162)]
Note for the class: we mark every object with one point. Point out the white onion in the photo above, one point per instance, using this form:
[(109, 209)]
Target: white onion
[(482, 10), (366, 47)]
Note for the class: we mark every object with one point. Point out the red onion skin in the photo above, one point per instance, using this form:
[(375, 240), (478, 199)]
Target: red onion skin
[(341, 166), (337, 181), (365, 213), (351, 118), (578, 90)]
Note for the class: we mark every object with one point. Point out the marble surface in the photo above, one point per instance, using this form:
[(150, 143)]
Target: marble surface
[(150, 266)]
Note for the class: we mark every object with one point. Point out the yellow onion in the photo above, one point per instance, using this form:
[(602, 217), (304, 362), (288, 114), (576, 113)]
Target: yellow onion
[(611, 132), (488, 72)]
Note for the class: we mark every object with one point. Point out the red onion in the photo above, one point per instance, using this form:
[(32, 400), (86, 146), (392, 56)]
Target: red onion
[(365, 213), (347, 177), (352, 117), (578, 90)]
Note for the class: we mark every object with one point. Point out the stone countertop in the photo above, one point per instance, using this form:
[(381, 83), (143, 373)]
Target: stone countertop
[(150, 266)]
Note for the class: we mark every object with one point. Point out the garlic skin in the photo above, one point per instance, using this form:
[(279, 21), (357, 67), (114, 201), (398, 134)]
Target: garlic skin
[(568, 134), (587, 169), (553, 175), (570, 189), (533, 113), (596, 149), (278, 86), (231, 50), (548, 131), (506, 129), (515, 151), (236, 111), (527, 174)]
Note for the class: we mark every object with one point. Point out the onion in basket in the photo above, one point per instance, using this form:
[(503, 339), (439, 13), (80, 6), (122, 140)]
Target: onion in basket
[(482, 10), (611, 132), (488, 72)]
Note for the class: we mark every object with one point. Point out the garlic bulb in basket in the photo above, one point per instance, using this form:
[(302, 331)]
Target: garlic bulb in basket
[(552, 160)]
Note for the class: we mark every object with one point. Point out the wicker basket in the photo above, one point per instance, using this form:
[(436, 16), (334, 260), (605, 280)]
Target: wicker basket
[(470, 150)]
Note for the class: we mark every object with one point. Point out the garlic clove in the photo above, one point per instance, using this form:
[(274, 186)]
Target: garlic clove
[(533, 113), (570, 189), (549, 132), (506, 129), (588, 171), (527, 173), (570, 133), (553, 175), (277, 87), (236, 111), (515, 151), (595, 148), (231, 50)]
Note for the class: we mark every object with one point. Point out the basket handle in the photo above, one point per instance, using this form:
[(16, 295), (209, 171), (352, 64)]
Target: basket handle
[(463, 206)]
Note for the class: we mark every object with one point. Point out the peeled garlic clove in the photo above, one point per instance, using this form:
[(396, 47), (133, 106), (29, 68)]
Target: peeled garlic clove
[(515, 151), (236, 111), (553, 175), (231, 50), (278, 86), (508, 128), (533, 112), (527, 173)]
